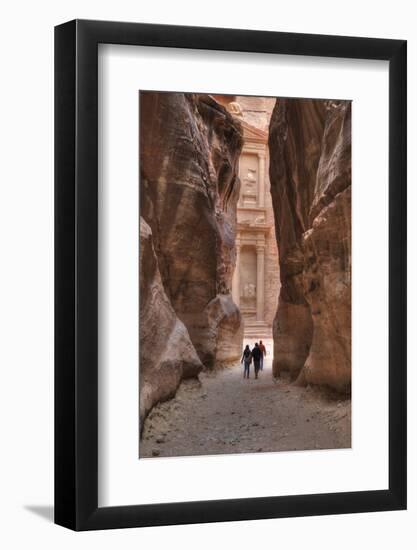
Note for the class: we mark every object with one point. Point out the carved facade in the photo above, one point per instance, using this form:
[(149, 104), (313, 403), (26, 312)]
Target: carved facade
[(255, 284)]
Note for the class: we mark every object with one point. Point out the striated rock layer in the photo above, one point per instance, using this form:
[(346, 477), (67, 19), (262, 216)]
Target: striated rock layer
[(189, 151), (167, 355), (310, 173)]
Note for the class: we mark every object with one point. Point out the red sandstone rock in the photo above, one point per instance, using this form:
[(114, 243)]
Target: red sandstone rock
[(310, 172), (166, 353), (189, 151)]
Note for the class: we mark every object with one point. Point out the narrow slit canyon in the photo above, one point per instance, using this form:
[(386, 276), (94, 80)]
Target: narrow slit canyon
[(245, 236)]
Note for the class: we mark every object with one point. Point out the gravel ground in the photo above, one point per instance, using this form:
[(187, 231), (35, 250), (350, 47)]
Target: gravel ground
[(224, 413)]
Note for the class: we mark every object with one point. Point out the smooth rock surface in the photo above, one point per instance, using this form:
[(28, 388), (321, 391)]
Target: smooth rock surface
[(310, 173), (167, 355), (189, 151)]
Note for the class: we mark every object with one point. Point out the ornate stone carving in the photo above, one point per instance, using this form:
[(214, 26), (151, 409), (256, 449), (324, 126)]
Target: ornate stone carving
[(249, 290), (255, 225), (234, 108), (250, 186)]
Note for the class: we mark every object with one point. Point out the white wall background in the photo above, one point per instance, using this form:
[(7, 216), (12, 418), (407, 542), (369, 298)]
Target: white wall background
[(26, 286)]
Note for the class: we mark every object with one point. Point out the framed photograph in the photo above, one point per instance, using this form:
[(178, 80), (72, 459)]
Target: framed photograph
[(230, 285)]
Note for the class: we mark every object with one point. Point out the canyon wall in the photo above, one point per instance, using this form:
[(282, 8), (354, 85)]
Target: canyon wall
[(189, 152), (167, 355), (310, 173)]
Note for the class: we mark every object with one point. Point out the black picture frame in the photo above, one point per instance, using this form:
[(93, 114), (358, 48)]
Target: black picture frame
[(76, 272)]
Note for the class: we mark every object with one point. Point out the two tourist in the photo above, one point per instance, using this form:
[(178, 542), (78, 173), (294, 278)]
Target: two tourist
[(257, 354)]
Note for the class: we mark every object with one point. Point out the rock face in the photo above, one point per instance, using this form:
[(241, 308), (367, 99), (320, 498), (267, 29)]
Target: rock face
[(310, 173), (189, 151), (166, 353)]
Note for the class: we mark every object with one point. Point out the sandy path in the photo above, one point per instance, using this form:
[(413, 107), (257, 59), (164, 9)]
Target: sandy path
[(224, 413)]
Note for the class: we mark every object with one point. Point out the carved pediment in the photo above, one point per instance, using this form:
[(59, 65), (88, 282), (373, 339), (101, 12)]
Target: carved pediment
[(250, 133)]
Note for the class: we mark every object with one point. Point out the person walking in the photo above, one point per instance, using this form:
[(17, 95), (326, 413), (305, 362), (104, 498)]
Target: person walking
[(263, 353), (246, 360), (256, 354)]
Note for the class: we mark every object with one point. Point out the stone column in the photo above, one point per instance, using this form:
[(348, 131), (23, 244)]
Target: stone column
[(260, 279), (236, 276), (261, 180)]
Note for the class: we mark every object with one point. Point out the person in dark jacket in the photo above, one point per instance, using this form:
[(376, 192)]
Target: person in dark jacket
[(246, 360), (263, 353), (256, 354)]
